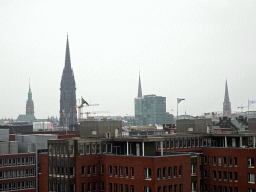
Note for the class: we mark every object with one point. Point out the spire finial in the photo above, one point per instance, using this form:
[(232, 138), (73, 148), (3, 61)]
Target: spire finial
[(29, 84)]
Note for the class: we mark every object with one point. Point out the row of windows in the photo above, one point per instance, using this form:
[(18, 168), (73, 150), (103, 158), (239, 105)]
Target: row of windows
[(91, 169), (61, 187), (82, 149), (113, 187), (163, 173), (183, 143), (17, 185), (17, 173), (58, 171), (225, 176), (123, 171), (221, 161), (170, 188), (222, 189), (7, 162), (92, 186)]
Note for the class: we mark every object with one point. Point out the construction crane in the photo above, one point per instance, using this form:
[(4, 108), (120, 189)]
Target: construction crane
[(243, 107), (80, 109)]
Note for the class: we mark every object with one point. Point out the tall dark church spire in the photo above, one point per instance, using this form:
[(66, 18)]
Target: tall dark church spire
[(139, 89), (68, 114), (226, 103), (30, 103)]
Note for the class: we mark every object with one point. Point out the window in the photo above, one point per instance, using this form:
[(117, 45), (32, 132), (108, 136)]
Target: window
[(205, 173), (93, 148), (235, 176), (126, 188), (147, 173), (164, 189), (83, 170), (235, 189), (110, 171), (115, 171), (132, 172), (214, 175), (147, 189), (89, 170), (205, 159), (225, 189), (132, 188), (89, 187), (102, 169), (81, 149), (120, 171), (214, 161), (219, 161), (115, 187), (170, 188), (180, 171), (214, 188), (219, 175), (95, 186), (251, 190), (94, 170), (175, 171), (224, 161), (83, 187), (230, 161), (250, 162), (169, 172), (180, 188), (126, 171), (98, 148), (164, 172), (159, 173), (87, 149), (104, 148), (230, 189), (121, 188), (193, 169), (225, 176), (230, 176), (102, 186), (235, 161), (251, 178)]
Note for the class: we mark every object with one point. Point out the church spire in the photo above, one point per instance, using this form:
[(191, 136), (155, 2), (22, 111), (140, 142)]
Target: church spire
[(139, 89), (226, 103), (67, 59), (30, 103)]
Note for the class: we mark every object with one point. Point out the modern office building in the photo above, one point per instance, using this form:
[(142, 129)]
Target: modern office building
[(17, 170), (68, 114), (181, 162), (150, 110)]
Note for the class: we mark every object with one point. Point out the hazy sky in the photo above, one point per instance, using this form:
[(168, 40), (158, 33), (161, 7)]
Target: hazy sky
[(183, 48)]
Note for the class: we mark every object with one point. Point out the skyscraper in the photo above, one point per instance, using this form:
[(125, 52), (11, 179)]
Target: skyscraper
[(226, 103), (68, 114), (149, 109), (30, 103)]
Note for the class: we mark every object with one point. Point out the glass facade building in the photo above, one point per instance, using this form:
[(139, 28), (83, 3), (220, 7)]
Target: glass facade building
[(150, 110)]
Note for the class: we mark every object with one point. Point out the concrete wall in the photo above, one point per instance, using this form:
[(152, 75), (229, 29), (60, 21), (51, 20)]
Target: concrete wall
[(197, 125), (4, 134), (98, 129)]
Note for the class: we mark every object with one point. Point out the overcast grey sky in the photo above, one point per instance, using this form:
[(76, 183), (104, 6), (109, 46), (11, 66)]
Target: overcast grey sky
[(183, 48)]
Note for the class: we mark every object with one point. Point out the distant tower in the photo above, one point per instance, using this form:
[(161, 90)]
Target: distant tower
[(30, 103), (139, 89), (68, 114), (226, 103)]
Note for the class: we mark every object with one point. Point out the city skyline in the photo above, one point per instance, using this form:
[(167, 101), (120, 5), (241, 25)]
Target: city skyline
[(182, 49)]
